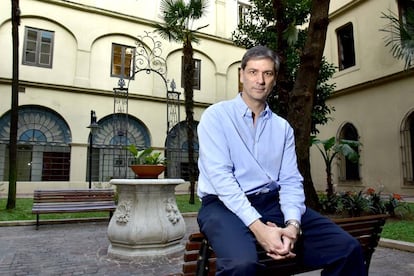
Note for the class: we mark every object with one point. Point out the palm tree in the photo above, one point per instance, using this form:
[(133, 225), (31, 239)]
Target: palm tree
[(401, 36), (331, 148), (179, 18)]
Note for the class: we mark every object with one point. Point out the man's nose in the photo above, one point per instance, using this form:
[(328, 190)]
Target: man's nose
[(260, 78)]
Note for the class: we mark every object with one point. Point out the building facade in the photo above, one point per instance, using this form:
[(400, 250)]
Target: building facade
[(373, 100), (72, 56)]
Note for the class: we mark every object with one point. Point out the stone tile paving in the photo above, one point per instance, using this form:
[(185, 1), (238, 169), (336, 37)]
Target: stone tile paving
[(81, 249)]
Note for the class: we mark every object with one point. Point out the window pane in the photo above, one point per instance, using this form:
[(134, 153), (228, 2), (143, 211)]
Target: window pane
[(116, 59), (38, 48), (197, 73), (128, 63), (122, 60), (32, 35), (45, 48), (31, 46), (243, 12), (197, 70), (116, 70), (346, 48), (44, 59), (30, 57), (46, 37)]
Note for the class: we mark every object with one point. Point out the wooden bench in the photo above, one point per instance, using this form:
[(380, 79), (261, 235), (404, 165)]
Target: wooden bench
[(72, 201), (199, 258)]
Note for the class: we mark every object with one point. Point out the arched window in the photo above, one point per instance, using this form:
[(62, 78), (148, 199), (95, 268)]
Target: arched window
[(43, 151), (349, 171), (110, 159), (407, 151)]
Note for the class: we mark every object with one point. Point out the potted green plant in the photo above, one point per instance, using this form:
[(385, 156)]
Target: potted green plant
[(146, 163)]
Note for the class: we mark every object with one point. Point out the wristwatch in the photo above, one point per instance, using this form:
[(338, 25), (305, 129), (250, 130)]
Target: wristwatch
[(296, 224)]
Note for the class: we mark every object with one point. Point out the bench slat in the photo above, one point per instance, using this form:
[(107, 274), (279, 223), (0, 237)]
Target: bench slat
[(72, 201), (366, 231)]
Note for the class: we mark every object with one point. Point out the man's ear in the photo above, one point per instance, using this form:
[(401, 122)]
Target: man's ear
[(241, 80)]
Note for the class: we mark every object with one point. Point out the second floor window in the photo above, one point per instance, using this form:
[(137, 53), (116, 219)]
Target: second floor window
[(38, 47), (405, 7), (197, 73), (243, 11), (122, 64), (346, 48)]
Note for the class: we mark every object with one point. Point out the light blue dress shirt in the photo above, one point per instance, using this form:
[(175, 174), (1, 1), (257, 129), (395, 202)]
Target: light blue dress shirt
[(237, 158)]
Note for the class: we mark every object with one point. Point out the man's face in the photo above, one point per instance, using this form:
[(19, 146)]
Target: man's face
[(258, 78)]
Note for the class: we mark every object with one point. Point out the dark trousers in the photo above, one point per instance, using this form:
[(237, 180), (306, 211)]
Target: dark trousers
[(323, 244)]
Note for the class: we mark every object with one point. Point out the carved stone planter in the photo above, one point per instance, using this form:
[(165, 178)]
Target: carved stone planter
[(147, 221)]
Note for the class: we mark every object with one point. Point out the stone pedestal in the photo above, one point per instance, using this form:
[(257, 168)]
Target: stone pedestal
[(147, 221)]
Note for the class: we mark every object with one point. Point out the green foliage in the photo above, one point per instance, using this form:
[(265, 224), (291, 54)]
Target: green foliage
[(259, 26), (329, 204), (145, 156), (179, 17), (355, 204), (402, 230), (184, 206), (331, 147), (401, 36), (368, 202)]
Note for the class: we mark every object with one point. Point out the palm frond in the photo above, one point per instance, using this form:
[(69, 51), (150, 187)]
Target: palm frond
[(401, 36), (178, 16)]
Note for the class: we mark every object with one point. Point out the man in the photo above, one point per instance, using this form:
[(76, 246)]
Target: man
[(251, 189)]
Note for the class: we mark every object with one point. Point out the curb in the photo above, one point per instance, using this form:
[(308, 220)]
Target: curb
[(395, 244)]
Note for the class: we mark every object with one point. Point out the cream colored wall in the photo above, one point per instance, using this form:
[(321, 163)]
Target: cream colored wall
[(377, 113), (373, 95), (373, 59), (80, 78), (220, 15)]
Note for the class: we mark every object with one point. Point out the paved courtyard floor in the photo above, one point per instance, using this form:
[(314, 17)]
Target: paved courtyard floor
[(81, 249)]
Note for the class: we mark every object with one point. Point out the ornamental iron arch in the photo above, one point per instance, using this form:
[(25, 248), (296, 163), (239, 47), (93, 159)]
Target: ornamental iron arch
[(147, 58)]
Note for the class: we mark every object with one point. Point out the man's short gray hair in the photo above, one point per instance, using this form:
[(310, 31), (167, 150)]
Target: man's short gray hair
[(260, 52)]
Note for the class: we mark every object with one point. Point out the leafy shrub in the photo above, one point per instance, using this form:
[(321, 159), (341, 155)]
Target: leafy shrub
[(368, 202)]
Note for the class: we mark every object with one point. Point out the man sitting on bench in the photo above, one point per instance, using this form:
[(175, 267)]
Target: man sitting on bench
[(251, 188)]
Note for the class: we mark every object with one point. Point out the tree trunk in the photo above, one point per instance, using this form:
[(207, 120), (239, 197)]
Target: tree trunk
[(329, 190), (11, 199), (189, 112), (283, 82), (303, 93)]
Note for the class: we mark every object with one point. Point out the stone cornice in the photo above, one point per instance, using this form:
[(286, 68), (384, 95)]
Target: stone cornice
[(91, 91), (374, 82)]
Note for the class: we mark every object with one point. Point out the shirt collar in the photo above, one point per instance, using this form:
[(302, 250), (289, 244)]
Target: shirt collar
[(245, 110)]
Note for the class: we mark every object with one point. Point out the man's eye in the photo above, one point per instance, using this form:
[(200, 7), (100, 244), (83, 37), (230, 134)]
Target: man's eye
[(269, 74)]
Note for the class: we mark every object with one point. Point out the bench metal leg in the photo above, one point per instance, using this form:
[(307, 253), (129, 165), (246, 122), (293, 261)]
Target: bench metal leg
[(37, 221), (202, 262)]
